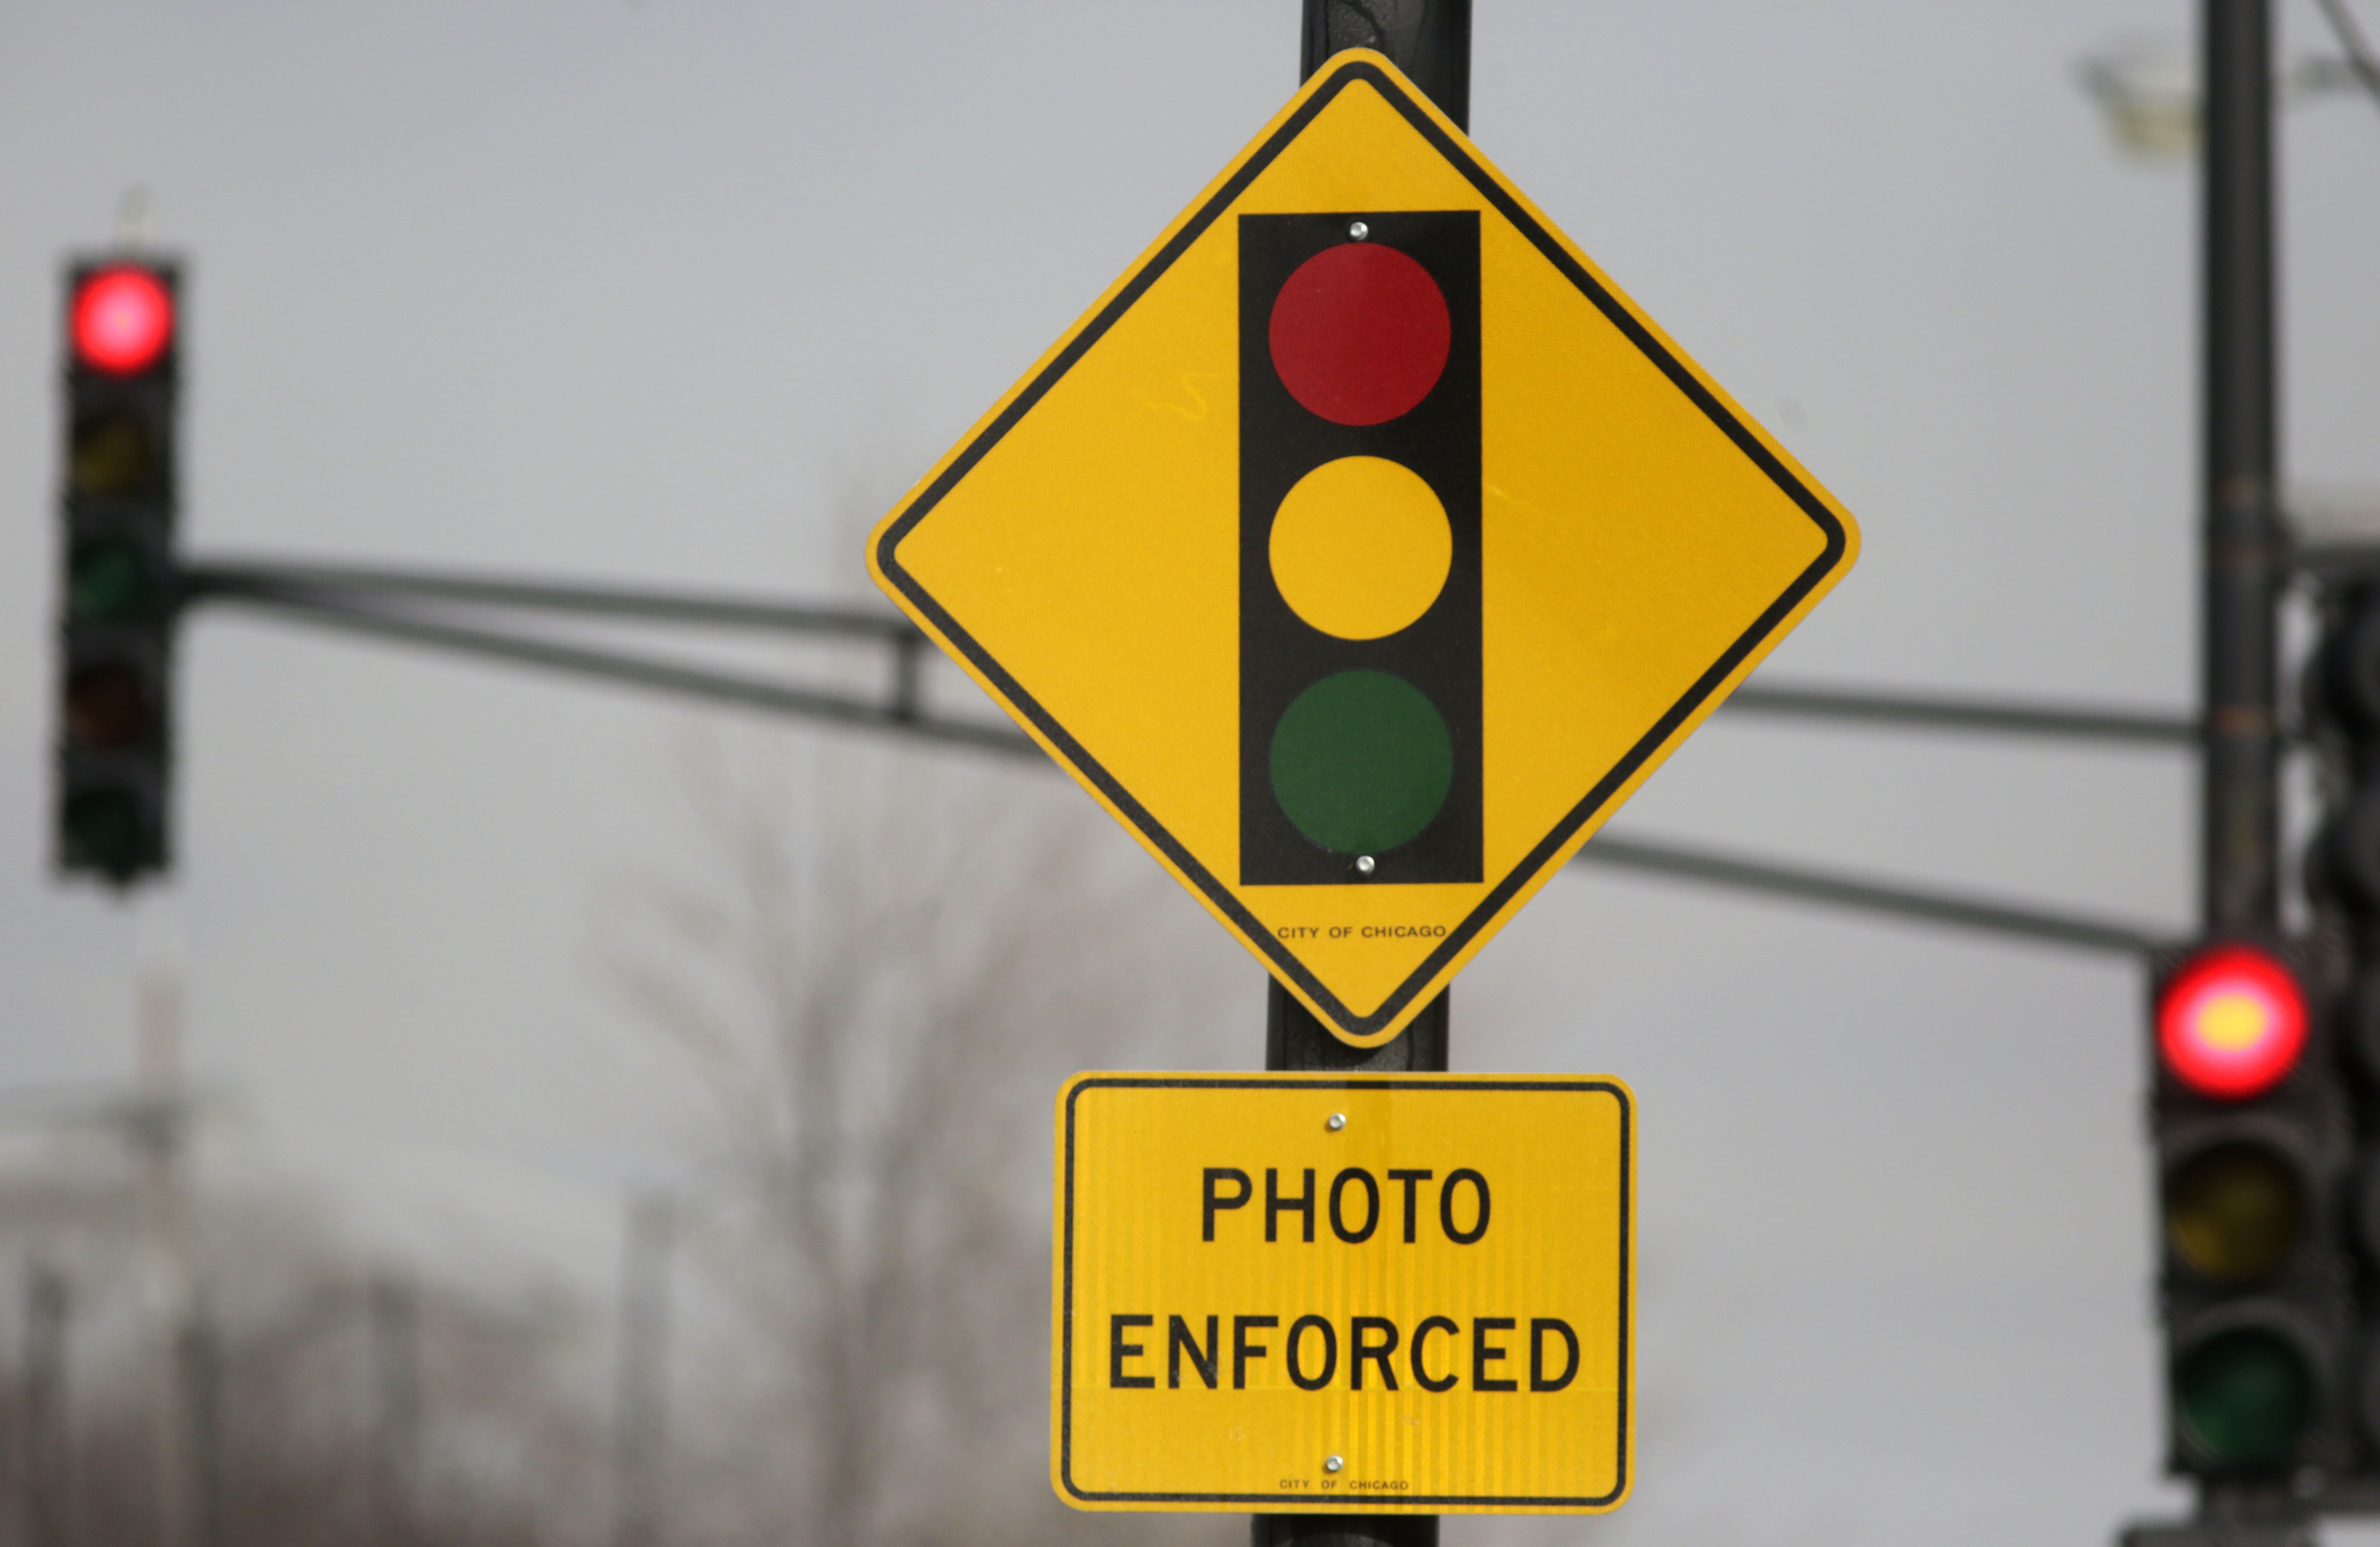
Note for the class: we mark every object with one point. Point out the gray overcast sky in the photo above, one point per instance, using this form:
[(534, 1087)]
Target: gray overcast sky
[(647, 292)]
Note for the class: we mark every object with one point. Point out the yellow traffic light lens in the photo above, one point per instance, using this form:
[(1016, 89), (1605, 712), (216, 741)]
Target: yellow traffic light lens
[(2233, 1212), (1361, 547), (113, 457), (2243, 1398)]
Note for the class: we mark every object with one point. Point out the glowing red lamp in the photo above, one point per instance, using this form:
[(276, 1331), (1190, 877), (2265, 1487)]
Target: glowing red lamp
[(2232, 1023), (123, 320)]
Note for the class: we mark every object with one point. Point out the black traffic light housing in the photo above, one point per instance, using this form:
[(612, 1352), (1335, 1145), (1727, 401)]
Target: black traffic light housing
[(2340, 708), (118, 582), (2253, 1144)]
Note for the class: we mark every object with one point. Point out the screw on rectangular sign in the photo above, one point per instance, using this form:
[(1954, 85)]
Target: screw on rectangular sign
[(1376, 1293)]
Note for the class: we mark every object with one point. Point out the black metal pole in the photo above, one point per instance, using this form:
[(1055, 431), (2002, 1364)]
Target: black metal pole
[(1430, 40), (2240, 860), (1294, 1038)]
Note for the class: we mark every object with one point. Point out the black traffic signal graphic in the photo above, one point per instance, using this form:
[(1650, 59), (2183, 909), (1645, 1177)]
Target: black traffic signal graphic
[(118, 596), (1359, 548)]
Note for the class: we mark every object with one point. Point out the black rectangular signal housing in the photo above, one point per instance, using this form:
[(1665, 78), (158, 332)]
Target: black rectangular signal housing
[(119, 584), (1360, 753)]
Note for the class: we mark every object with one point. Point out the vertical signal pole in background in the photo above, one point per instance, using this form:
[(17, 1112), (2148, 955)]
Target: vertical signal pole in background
[(2247, 1102), (640, 1461), (1430, 40), (2241, 861), (42, 1449), (183, 1436)]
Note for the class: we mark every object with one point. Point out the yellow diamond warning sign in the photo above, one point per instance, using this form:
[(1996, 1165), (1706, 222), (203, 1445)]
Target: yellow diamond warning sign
[(1376, 1293), (1362, 548)]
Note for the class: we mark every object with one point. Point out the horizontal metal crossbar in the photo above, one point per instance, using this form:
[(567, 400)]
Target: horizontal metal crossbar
[(368, 582), (239, 577), (427, 609), (1871, 895), (900, 714), (1975, 714)]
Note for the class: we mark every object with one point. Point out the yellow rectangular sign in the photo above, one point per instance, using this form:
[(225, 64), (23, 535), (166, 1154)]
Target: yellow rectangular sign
[(1376, 1293)]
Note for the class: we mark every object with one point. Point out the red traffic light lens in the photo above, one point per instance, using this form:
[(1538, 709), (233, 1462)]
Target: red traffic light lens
[(1360, 333), (2232, 1023), (108, 708), (123, 320)]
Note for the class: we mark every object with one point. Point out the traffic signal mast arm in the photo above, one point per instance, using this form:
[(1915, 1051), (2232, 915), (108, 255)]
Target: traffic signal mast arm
[(1929, 712), (1867, 894), (227, 577), (451, 612), (438, 611), (376, 586)]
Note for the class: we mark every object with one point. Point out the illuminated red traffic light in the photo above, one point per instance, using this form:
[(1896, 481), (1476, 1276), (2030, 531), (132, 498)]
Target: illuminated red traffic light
[(119, 324), (2232, 1023), (123, 320)]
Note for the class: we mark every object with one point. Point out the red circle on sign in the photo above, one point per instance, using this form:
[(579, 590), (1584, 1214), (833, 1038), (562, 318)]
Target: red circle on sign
[(1360, 333), (123, 320)]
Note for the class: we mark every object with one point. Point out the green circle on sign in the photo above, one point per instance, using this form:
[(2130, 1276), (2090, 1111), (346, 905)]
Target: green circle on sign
[(1362, 761), (2245, 1396)]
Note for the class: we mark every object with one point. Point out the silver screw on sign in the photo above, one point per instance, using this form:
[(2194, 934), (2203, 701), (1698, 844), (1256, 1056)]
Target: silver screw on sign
[(1357, 230), (1336, 1121), (1332, 1463)]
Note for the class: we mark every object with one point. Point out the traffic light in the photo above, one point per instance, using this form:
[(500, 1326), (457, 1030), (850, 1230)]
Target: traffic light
[(2251, 1148), (1359, 548), (118, 593), (2342, 705)]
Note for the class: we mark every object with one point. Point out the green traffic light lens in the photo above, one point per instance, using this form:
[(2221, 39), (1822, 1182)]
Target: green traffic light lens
[(2244, 1398), (1362, 761), (113, 457), (104, 831), (2233, 1212), (110, 580)]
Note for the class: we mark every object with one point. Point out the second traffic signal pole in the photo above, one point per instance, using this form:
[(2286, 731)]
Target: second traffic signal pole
[(1430, 40), (2241, 860)]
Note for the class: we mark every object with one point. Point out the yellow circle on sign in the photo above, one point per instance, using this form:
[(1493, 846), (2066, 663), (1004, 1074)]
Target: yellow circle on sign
[(1361, 546)]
